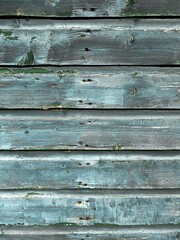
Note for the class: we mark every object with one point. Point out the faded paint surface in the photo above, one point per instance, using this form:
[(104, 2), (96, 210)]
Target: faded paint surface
[(90, 233), (89, 88), (88, 208), (79, 170), (90, 42), (90, 130), (113, 191), (90, 8)]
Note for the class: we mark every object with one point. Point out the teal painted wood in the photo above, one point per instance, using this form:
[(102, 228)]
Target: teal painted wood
[(90, 170), (89, 233), (90, 88), (89, 208), (90, 42), (89, 8), (90, 130)]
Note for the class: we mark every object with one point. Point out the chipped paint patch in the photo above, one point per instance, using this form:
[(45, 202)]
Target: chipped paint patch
[(27, 59), (19, 12), (8, 35), (53, 3), (117, 147), (32, 39), (32, 194)]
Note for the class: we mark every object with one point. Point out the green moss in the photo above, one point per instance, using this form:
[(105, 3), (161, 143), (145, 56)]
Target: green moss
[(32, 39), (63, 224), (68, 72), (130, 14), (130, 2), (32, 194), (65, 14), (37, 70), (7, 71), (8, 35), (27, 59), (105, 225)]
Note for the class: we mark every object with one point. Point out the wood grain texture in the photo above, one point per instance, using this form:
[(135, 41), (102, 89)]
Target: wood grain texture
[(90, 130), (89, 233), (89, 208), (90, 42), (89, 8), (74, 170), (89, 87)]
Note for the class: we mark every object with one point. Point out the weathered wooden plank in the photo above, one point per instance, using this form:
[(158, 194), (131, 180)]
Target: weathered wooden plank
[(90, 129), (90, 42), (89, 8), (88, 208), (73, 170), (90, 233), (87, 87)]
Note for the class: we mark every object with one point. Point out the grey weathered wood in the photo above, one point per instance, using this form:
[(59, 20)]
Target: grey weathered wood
[(88, 208), (73, 170), (89, 233), (90, 129), (90, 42), (87, 87), (89, 8)]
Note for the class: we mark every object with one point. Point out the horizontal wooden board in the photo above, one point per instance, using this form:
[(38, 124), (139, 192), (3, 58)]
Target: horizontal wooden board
[(88, 208), (89, 8), (89, 233), (89, 87), (90, 42), (74, 170), (90, 129)]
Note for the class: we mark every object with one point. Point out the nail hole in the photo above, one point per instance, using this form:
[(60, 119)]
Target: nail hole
[(87, 80), (87, 163), (92, 9), (132, 90), (90, 103), (80, 164), (84, 9), (87, 49), (85, 218), (26, 132), (132, 39), (88, 30), (79, 202)]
